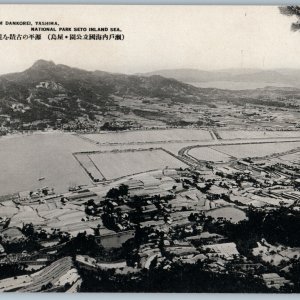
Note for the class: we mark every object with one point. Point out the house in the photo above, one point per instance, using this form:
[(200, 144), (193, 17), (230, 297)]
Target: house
[(81, 195), (134, 184), (150, 182), (206, 238), (224, 250), (226, 171), (124, 209), (273, 280), (216, 192), (149, 211), (244, 163), (170, 172), (297, 183), (86, 262)]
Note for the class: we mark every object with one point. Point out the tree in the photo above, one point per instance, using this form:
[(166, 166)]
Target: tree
[(13, 269), (292, 10), (123, 190), (67, 286), (113, 193), (82, 244), (28, 230)]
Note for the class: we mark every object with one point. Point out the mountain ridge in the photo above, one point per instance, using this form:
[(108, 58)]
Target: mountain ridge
[(283, 76), (55, 91)]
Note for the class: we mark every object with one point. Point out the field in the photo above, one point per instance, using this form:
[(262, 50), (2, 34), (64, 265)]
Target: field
[(150, 136), (59, 273), (229, 213), (256, 150), (66, 217), (25, 217), (52, 214), (89, 166), (118, 164), (6, 211), (54, 273), (275, 254), (172, 147), (293, 158), (243, 134), (209, 154)]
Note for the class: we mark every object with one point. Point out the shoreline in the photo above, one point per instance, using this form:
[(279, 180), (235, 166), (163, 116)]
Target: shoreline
[(36, 132)]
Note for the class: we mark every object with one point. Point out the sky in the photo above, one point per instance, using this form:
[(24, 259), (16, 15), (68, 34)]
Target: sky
[(156, 37)]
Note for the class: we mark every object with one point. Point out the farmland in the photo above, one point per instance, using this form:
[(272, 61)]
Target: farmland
[(56, 273), (89, 166), (172, 147), (229, 213), (209, 154), (150, 136), (25, 217), (7, 211), (59, 273), (67, 217), (255, 134), (294, 158), (118, 164), (50, 215), (256, 150)]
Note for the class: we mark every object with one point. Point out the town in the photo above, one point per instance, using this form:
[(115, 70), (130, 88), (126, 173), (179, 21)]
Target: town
[(233, 219)]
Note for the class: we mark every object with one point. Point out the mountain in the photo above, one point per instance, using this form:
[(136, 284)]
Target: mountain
[(49, 91), (49, 94), (188, 75), (93, 86), (279, 76)]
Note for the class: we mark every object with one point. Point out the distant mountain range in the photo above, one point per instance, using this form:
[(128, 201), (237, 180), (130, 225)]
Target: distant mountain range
[(280, 76)]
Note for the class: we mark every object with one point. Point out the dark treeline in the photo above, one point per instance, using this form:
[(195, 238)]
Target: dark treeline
[(178, 279), (276, 226)]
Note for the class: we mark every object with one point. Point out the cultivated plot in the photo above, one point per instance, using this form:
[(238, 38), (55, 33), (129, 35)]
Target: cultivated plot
[(255, 134), (208, 154), (150, 136), (293, 158), (86, 162), (256, 150), (118, 164), (172, 147), (229, 213)]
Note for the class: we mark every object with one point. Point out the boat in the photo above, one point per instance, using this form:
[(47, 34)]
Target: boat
[(41, 178)]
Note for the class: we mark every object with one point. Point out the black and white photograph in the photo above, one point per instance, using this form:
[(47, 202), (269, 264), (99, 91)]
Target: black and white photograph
[(149, 149)]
